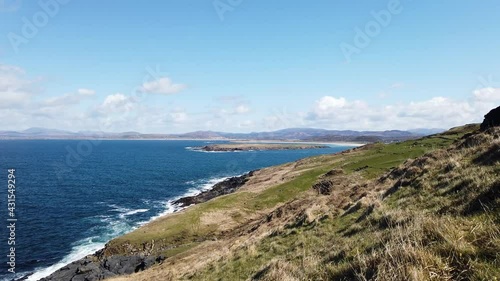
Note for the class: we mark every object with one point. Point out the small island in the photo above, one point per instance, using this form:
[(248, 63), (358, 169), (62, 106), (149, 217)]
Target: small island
[(228, 147)]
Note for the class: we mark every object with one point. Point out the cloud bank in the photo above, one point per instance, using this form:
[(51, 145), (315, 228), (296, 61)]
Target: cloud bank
[(22, 106)]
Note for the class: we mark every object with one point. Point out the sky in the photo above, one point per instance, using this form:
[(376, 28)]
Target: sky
[(176, 66)]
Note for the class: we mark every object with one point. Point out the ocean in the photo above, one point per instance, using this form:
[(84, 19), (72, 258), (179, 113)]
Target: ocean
[(73, 196)]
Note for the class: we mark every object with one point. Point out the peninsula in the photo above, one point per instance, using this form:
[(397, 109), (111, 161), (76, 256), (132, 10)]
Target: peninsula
[(259, 146), (400, 211)]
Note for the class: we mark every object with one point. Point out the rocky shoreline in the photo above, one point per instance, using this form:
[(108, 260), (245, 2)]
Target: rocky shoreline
[(224, 187), (98, 266), (231, 147)]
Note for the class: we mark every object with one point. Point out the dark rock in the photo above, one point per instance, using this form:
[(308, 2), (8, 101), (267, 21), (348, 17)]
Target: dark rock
[(245, 147), (334, 172), (492, 119), (92, 269), (227, 186), (123, 264), (323, 187), (99, 267)]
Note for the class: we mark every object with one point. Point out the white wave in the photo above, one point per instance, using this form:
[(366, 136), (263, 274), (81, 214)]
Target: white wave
[(132, 212), (82, 249), (124, 212), (199, 187), (87, 246), (202, 185), (169, 209), (119, 227), (198, 149), (119, 209), (135, 212)]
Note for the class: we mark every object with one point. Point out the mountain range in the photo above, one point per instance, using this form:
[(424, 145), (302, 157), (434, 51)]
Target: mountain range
[(291, 134)]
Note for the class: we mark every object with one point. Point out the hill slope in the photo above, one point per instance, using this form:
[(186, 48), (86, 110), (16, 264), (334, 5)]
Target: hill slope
[(417, 210), (295, 134)]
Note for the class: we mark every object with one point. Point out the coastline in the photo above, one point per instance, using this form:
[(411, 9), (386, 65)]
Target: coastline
[(96, 263), (165, 209), (354, 144), (337, 143), (235, 147)]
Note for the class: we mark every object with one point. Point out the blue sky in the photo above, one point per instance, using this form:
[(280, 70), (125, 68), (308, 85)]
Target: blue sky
[(241, 65)]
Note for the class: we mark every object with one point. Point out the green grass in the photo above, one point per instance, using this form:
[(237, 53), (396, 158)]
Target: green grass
[(179, 249), (418, 233), (287, 191), (383, 157), (290, 245), (185, 228)]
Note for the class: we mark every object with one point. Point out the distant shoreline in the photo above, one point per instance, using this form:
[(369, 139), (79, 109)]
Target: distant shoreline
[(338, 143), (232, 146)]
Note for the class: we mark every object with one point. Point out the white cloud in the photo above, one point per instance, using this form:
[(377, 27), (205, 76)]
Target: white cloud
[(86, 92), (246, 124), (237, 109), (163, 85), (116, 103), (281, 118), (241, 109), (4, 68), (69, 99), (15, 89), (178, 115), (437, 112), (328, 105), (21, 107), (18, 99), (487, 94)]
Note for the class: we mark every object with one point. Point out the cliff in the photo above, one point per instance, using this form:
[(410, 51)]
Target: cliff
[(416, 210)]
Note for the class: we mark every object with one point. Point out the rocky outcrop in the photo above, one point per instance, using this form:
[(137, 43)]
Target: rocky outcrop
[(100, 266), (227, 186), (324, 187), (492, 119), (258, 147), (328, 181), (91, 268)]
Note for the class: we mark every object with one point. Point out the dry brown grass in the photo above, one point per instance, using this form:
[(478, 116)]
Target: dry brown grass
[(435, 217)]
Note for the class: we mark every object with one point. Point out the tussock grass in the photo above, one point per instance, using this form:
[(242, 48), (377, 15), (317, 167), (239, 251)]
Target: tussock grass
[(420, 210)]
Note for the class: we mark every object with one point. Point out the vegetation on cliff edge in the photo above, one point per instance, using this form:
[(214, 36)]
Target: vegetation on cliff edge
[(424, 209)]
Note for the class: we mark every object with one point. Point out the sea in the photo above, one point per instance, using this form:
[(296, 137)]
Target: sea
[(73, 196)]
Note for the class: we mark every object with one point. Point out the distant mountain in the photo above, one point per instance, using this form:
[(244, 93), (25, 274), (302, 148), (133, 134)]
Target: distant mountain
[(423, 131), (291, 134), (202, 135), (311, 134), (46, 132)]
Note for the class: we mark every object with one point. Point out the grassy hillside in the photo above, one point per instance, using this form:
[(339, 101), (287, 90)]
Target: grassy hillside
[(417, 210)]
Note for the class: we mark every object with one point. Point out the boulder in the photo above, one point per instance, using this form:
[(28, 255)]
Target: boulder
[(323, 187), (492, 119), (91, 269), (123, 264)]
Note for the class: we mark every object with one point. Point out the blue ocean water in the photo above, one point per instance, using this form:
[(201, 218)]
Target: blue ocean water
[(72, 196)]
